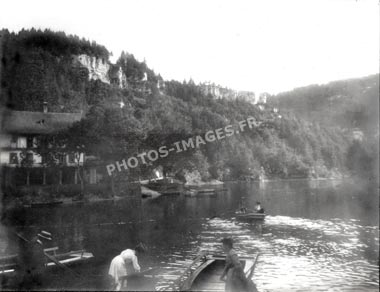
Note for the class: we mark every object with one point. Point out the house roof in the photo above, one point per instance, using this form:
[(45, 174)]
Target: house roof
[(26, 122)]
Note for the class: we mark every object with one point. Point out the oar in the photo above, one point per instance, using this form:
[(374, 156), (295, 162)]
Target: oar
[(142, 273), (253, 267), (22, 237), (59, 264)]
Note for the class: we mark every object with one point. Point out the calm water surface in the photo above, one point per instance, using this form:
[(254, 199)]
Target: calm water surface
[(319, 235)]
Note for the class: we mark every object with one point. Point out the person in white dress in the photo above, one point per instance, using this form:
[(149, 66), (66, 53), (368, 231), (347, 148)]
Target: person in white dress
[(123, 263)]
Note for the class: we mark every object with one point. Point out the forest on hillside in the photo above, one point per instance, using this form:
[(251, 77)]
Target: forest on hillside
[(351, 103), (37, 67)]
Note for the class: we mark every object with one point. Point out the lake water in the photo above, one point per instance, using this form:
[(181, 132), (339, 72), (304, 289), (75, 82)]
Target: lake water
[(318, 235)]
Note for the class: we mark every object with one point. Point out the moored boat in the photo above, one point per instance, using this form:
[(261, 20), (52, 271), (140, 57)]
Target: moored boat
[(206, 191), (168, 186), (190, 193), (204, 273), (171, 193), (10, 264), (200, 193)]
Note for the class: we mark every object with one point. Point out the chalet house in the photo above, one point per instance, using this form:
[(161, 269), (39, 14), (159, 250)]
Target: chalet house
[(21, 132)]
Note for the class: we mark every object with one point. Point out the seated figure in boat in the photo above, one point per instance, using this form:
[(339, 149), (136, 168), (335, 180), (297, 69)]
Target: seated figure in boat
[(259, 209), (242, 208), (233, 272), (123, 263)]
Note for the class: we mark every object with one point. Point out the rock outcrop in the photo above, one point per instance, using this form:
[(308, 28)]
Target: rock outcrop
[(101, 69), (97, 67)]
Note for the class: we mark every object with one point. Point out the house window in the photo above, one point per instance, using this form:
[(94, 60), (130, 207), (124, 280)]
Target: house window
[(21, 142), (29, 142), (14, 142), (13, 158)]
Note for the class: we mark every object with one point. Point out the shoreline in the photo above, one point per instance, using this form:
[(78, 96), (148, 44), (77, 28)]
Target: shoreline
[(204, 184), (290, 179), (152, 194)]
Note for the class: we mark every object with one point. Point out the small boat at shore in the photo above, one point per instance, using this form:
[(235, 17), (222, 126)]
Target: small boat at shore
[(190, 193), (200, 192), (206, 191), (205, 271), (171, 193), (9, 265)]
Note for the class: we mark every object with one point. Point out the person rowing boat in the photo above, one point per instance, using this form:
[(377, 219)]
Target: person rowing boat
[(124, 262), (242, 207)]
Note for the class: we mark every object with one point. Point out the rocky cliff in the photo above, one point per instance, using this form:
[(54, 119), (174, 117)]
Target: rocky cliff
[(101, 69)]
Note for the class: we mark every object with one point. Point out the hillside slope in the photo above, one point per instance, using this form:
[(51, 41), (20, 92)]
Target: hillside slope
[(352, 103), (150, 112)]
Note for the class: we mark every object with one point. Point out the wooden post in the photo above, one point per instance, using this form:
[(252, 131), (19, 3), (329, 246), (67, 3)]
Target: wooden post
[(44, 176), (7, 176), (27, 177), (60, 176)]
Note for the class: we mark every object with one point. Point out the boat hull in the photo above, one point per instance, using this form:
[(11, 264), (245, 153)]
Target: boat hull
[(250, 216), (207, 276), (9, 267)]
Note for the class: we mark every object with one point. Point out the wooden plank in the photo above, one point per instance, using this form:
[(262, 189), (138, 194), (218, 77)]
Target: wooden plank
[(187, 285), (211, 289), (189, 268), (55, 248), (202, 279), (215, 287), (223, 257), (214, 278), (8, 258), (7, 271), (213, 284)]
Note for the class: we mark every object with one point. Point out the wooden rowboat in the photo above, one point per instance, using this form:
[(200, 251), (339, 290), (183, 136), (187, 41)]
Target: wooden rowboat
[(201, 193), (10, 264), (250, 216), (190, 193), (206, 191), (206, 276)]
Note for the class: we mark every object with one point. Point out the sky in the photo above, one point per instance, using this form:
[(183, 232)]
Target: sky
[(261, 46)]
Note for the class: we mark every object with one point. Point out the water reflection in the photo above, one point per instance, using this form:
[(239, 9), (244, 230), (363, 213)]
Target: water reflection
[(296, 254), (317, 237)]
